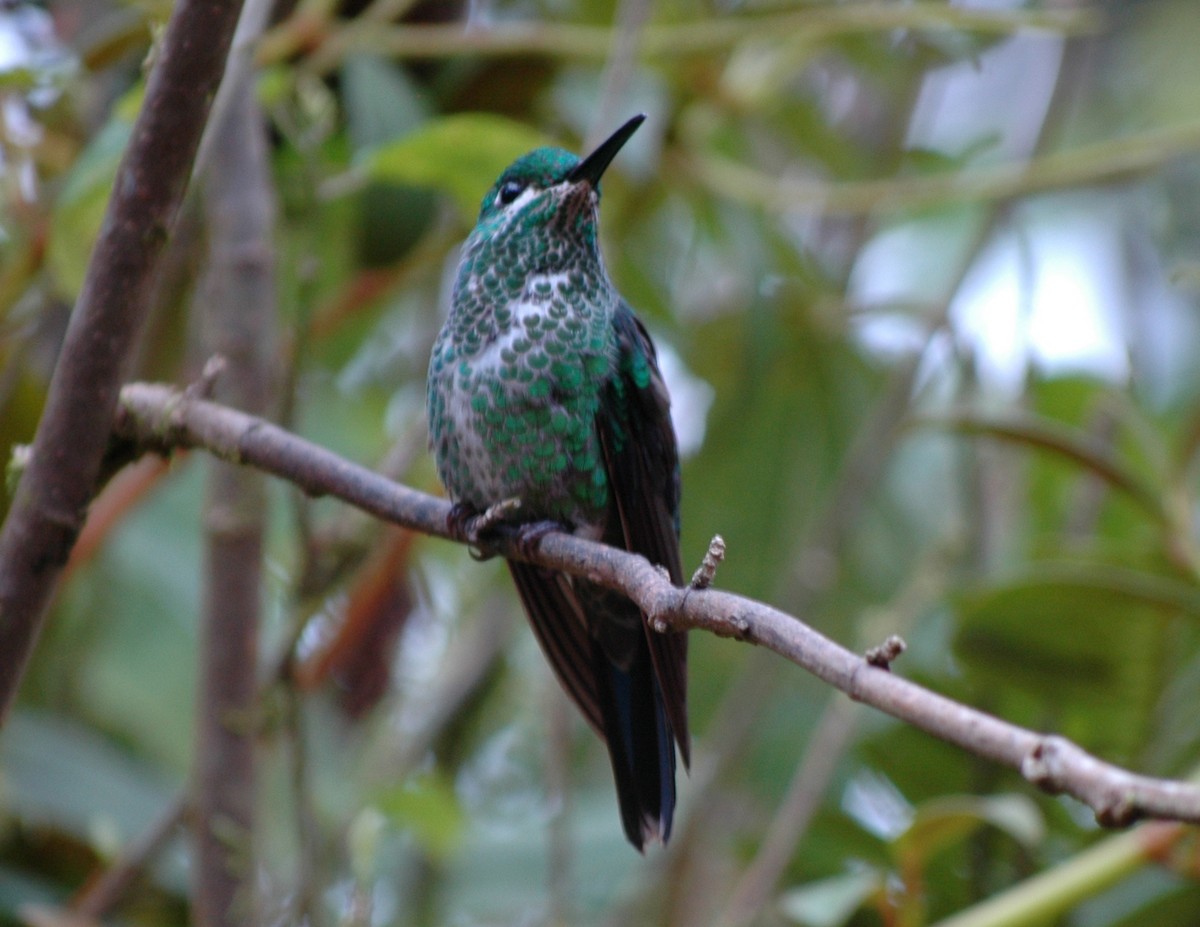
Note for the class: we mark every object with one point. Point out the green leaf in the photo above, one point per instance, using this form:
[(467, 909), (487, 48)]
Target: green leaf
[(461, 155), (1134, 586), (79, 211), (58, 773), (830, 902), (428, 808), (126, 624), (1068, 444), (942, 822), (1069, 655), (19, 79), (382, 102)]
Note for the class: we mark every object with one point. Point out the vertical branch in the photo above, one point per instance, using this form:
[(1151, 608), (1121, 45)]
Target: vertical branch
[(53, 494), (618, 70), (238, 297)]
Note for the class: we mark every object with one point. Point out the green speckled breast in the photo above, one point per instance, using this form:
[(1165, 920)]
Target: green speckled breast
[(517, 370)]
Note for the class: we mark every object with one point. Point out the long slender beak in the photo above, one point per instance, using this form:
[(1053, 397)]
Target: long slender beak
[(594, 165)]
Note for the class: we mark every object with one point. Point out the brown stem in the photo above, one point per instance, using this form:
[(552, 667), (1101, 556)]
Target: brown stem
[(161, 417), (103, 894), (53, 494)]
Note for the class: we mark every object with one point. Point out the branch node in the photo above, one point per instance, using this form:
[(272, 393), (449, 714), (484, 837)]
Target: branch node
[(1054, 765), (164, 424), (886, 653), (739, 627), (1119, 809), (1041, 765), (664, 605), (205, 385), (707, 571)]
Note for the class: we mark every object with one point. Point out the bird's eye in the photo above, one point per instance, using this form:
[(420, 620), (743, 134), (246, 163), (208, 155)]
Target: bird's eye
[(509, 191)]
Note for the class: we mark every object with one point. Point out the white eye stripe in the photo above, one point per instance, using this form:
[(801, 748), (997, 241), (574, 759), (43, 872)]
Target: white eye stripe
[(519, 203)]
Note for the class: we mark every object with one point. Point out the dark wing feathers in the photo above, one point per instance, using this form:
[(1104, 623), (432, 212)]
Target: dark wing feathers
[(557, 619), (642, 460), (629, 682)]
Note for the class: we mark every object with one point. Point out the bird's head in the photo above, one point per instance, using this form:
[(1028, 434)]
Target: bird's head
[(549, 189)]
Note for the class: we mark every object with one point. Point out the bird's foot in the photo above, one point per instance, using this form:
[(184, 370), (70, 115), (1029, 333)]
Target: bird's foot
[(530, 534), (468, 524), (460, 522)]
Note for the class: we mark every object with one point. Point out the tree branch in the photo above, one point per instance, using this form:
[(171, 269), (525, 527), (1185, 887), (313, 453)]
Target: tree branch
[(53, 494), (238, 302), (110, 887), (1107, 160), (704, 37), (1053, 893), (161, 418)]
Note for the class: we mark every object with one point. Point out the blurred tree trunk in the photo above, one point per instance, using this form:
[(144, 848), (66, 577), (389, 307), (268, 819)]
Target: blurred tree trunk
[(237, 299)]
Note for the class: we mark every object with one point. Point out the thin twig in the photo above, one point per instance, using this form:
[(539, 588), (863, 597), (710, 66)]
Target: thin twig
[(1092, 455), (1105, 161), (306, 907), (885, 654), (1051, 894), (701, 37), (707, 571), (103, 894), (630, 21), (160, 417)]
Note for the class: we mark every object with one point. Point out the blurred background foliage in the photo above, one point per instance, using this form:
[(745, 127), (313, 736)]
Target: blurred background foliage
[(925, 281)]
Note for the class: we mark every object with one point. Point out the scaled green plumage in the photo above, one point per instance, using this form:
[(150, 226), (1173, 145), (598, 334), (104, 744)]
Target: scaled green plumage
[(544, 388)]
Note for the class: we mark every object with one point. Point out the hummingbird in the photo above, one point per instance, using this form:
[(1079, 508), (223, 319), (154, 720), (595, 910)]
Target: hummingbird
[(548, 411)]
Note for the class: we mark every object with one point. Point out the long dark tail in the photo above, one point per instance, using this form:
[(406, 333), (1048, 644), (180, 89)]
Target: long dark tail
[(597, 646), (640, 744)]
